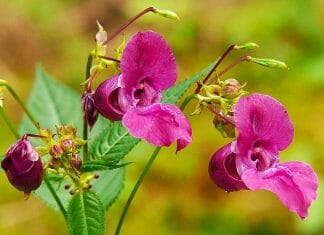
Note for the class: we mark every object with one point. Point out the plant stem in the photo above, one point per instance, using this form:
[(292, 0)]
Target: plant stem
[(9, 123), (138, 183), (220, 59), (20, 102), (56, 198), (85, 124), (186, 101), (112, 36)]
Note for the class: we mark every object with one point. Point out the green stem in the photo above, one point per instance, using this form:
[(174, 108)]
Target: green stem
[(56, 198), (138, 183), (20, 102), (85, 124), (9, 123), (186, 101)]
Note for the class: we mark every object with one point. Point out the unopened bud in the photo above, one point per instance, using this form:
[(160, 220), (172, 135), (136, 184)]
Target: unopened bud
[(247, 46), (76, 162), (269, 63), (231, 88), (56, 151), (23, 166), (90, 112), (226, 129), (101, 35), (167, 14), (67, 145), (96, 176)]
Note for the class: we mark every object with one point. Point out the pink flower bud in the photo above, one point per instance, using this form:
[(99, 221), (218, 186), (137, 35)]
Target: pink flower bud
[(90, 112), (23, 166)]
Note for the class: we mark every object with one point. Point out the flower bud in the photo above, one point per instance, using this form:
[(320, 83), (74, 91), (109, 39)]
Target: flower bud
[(269, 63), (23, 166), (90, 112), (67, 145), (247, 46), (101, 35), (56, 151), (226, 129), (167, 14), (76, 162), (231, 88)]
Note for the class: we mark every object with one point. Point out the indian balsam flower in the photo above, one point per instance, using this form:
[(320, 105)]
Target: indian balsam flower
[(23, 166), (252, 161), (148, 68)]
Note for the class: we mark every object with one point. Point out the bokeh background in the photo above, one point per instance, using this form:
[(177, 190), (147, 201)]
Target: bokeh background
[(177, 197)]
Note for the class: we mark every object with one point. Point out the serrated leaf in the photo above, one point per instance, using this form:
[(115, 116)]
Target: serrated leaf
[(85, 214), (101, 165), (53, 103), (175, 93), (112, 144)]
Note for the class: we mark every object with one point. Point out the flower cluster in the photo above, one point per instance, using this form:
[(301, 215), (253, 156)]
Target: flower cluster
[(252, 161), (148, 67)]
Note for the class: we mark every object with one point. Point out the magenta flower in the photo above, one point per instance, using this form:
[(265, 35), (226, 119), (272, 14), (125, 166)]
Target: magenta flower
[(252, 162), (23, 166), (148, 68)]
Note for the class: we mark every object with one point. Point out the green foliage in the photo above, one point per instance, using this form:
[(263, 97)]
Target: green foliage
[(85, 214), (175, 93), (112, 144), (53, 103)]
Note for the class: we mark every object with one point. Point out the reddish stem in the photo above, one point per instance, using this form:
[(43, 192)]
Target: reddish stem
[(112, 36), (223, 56), (226, 119)]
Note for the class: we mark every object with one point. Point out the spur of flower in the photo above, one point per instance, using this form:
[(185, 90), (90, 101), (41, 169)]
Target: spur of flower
[(252, 161), (134, 96)]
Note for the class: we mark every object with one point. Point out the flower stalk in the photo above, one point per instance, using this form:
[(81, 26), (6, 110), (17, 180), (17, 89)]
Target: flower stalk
[(4, 83)]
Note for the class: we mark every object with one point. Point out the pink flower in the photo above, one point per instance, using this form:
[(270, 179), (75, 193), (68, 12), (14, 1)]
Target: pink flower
[(252, 161), (148, 68)]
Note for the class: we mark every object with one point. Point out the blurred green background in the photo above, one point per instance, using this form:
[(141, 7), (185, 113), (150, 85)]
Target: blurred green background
[(177, 196)]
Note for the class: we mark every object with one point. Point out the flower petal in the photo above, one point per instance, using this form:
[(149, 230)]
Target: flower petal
[(159, 124), (295, 183), (222, 170), (148, 56), (107, 99), (261, 117)]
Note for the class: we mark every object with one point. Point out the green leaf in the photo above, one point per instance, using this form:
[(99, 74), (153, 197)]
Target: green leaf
[(53, 103), (1, 158), (101, 165), (85, 214), (112, 144), (175, 93)]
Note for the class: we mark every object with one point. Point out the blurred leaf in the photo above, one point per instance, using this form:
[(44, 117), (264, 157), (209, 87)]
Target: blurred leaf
[(85, 214), (1, 158), (175, 93), (53, 103)]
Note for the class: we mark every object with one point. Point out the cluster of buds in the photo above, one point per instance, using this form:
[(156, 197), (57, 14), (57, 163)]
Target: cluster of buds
[(25, 168), (221, 96), (64, 149)]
